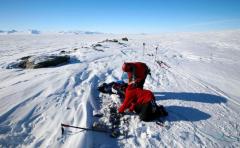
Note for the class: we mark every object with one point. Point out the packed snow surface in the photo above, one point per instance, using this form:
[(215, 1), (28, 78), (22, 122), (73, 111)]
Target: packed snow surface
[(198, 85)]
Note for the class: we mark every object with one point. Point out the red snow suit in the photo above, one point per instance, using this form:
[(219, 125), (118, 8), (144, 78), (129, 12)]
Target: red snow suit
[(135, 96), (137, 72)]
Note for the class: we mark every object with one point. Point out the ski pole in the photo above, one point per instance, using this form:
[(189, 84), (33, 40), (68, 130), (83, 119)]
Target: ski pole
[(143, 48), (83, 128)]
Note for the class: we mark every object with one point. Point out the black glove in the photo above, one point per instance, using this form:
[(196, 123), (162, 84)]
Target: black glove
[(149, 71), (120, 115)]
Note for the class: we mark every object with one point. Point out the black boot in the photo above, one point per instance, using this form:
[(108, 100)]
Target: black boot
[(161, 111)]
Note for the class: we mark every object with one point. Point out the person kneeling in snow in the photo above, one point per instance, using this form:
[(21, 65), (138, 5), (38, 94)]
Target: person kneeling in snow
[(143, 103)]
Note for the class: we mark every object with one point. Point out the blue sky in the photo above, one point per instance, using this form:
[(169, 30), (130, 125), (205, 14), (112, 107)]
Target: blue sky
[(120, 16)]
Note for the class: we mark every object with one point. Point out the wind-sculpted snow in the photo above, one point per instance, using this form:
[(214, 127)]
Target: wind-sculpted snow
[(194, 75)]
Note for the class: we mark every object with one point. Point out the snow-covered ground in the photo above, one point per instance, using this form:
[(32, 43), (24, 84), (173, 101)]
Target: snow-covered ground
[(200, 90)]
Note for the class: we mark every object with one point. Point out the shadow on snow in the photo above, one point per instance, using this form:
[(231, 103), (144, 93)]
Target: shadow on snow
[(181, 113), (187, 96)]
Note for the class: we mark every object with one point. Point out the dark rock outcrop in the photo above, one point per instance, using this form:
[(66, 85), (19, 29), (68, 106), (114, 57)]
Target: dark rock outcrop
[(75, 49), (34, 32), (107, 40), (125, 39), (114, 40), (12, 31), (62, 52), (97, 45), (44, 61)]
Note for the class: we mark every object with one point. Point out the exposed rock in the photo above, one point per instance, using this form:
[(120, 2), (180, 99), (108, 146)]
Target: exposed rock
[(85, 47), (75, 49), (12, 31), (90, 32), (107, 40), (125, 39), (25, 58), (65, 52), (78, 32), (46, 61), (151, 55), (97, 45), (114, 40), (98, 49), (34, 32), (33, 62), (121, 43), (21, 64)]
